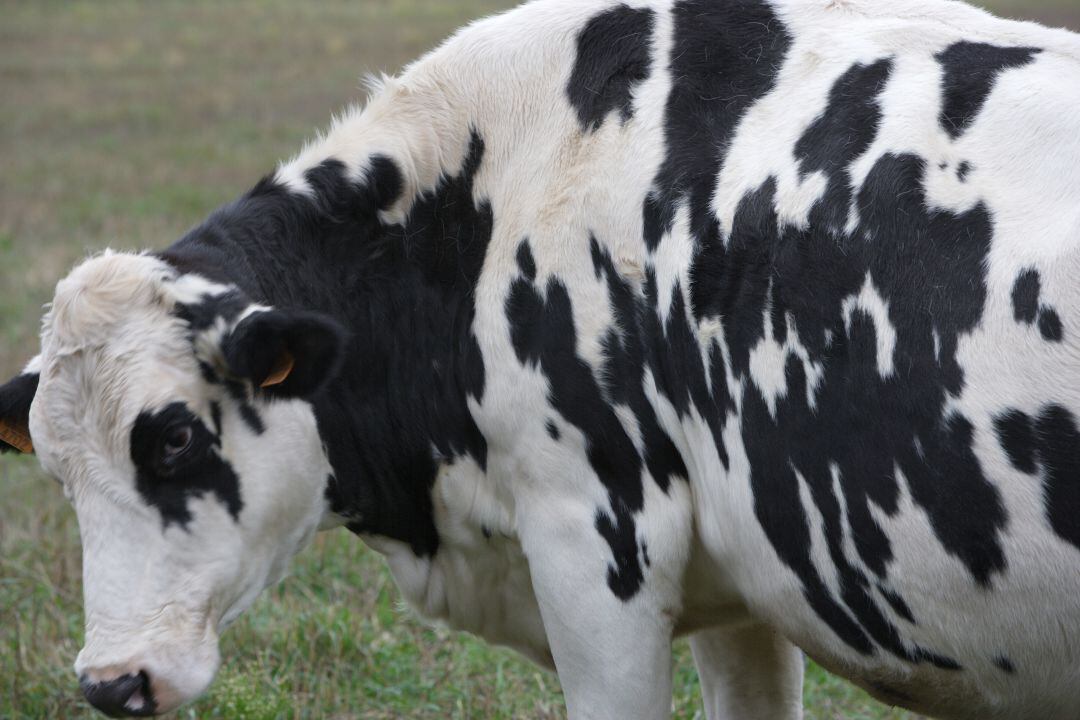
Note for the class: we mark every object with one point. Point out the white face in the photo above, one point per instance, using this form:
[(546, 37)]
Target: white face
[(192, 491)]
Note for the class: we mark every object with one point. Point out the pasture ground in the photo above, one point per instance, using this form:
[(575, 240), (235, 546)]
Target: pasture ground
[(122, 124)]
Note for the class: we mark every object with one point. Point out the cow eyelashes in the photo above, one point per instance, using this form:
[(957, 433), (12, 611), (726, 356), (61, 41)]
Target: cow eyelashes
[(177, 440), (176, 444), (165, 441)]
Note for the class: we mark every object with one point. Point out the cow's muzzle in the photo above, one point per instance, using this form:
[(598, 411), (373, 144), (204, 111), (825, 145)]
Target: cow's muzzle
[(126, 696)]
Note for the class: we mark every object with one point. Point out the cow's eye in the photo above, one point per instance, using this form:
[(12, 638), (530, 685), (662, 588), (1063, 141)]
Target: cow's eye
[(176, 442)]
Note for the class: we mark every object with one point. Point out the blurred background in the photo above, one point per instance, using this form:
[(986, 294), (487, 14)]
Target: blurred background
[(124, 123)]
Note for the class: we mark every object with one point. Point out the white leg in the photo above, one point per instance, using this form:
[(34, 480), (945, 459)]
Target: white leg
[(613, 656), (748, 672)]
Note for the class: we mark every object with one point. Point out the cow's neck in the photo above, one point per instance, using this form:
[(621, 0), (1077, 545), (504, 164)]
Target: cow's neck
[(393, 250)]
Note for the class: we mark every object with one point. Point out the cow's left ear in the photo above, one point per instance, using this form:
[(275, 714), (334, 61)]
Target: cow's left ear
[(287, 353), (15, 399)]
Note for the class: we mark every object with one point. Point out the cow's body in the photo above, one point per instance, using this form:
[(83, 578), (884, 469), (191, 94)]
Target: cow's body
[(752, 321)]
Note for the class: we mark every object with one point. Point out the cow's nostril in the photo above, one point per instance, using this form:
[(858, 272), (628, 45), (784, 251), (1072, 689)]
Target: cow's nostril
[(126, 696)]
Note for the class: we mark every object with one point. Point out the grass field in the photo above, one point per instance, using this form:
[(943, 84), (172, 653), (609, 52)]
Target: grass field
[(122, 124)]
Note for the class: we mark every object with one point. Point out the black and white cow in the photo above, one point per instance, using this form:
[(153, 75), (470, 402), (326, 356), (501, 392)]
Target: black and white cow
[(607, 322)]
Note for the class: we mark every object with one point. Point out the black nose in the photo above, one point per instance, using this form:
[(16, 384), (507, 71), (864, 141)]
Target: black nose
[(127, 696)]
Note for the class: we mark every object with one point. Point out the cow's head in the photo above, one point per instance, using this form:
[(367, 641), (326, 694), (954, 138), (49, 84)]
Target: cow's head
[(173, 412)]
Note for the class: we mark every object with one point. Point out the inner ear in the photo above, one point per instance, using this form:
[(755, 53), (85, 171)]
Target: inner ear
[(15, 400), (281, 370), (286, 353)]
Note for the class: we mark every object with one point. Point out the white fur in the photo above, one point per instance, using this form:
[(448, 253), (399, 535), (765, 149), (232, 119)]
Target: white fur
[(110, 349)]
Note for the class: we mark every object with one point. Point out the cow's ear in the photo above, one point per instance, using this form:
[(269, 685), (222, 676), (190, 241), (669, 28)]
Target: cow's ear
[(15, 399), (286, 353)]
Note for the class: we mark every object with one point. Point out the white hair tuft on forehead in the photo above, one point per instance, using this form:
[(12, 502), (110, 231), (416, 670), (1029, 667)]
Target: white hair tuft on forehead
[(98, 295)]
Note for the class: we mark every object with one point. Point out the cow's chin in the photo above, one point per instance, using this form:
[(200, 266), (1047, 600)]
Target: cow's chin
[(168, 676), (183, 682)]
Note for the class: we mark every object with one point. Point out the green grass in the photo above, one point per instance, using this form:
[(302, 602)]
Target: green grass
[(332, 641), (122, 124)]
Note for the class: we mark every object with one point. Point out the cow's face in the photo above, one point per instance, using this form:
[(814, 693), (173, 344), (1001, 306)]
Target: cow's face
[(173, 413)]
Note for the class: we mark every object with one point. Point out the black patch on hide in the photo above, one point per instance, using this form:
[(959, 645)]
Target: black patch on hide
[(970, 71), (1048, 445), (850, 429), (544, 336), (613, 56)]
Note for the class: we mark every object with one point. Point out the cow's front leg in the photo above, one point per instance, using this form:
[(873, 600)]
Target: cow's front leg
[(609, 629), (748, 672)]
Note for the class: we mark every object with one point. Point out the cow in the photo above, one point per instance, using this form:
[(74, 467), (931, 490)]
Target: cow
[(612, 321)]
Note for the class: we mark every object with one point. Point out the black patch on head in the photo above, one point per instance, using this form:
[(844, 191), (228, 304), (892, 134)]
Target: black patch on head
[(208, 373), (215, 416), (16, 397), (1025, 296), (252, 418), (254, 345), (970, 70), (203, 314), (1005, 665), (239, 393), (552, 431), (168, 485), (405, 295), (613, 55), (485, 531), (963, 170)]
